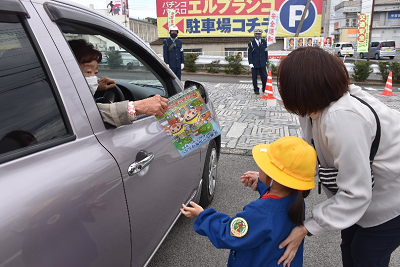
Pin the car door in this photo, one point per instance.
(62, 199)
(155, 194)
(373, 48)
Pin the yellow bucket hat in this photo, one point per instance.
(290, 161)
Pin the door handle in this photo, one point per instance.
(137, 166)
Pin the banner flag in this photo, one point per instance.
(273, 27)
(363, 33)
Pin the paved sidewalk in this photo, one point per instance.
(247, 120)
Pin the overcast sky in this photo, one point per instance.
(137, 8)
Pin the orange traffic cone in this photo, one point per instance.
(269, 92)
(388, 86)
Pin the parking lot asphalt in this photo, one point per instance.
(247, 120)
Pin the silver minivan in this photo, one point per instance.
(67, 198)
(380, 49)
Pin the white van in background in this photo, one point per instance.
(343, 49)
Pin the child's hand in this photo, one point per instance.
(250, 179)
(191, 212)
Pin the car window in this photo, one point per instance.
(29, 113)
(388, 44)
(135, 80)
(374, 44)
(347, 45)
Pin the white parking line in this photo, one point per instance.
(370, 89)
(245, 81)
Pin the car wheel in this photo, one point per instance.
(376, 56)
(361, 55)
(351, 55)
(391, 57)
(209, 175)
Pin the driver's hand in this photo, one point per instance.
(155, 105)
(105, 83)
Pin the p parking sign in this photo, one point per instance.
(290, 13)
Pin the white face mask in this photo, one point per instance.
(93, 83)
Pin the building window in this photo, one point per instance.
(193, 50)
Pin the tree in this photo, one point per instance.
(114, 59)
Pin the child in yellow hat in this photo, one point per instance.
(286, 175)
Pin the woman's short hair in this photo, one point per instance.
(84, 51)
(310, 78)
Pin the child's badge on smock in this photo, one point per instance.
(239, 227)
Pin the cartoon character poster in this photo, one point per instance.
(189, 121)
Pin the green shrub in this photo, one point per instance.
(362, 69)
(386, 67)
(213, 67)
(271, 67)
(234, 65)
(384, 70)
(114, 59)
(395, 68)
(129, 65)
(190, 62)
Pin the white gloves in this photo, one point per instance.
(168, 65)
(251, 65)
(182, 66)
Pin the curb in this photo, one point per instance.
(236, 151)
(352, 81)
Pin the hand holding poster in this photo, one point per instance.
(188, 121)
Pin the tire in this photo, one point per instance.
(391, 57)
(361, 55)
(351, 55)
(209, 175)
(376, 56)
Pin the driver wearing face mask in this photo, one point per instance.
(117, 113)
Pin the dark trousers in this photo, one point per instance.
(370, 247)
(177, 72)
(263, 75)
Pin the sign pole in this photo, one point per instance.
(303, 16)
(370, 28)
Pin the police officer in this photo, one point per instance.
(173, 51)
(258, 58)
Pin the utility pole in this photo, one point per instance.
(370, 27)
(303, 16)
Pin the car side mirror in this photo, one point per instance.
(199, 86)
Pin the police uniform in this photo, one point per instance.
(258, 56)
(253, 235)
(173, 56)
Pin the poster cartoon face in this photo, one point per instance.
(188, 121)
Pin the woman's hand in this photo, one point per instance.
(105, 83)
(250, 179)
(155, 105)
(191, 212)
(292, 242)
